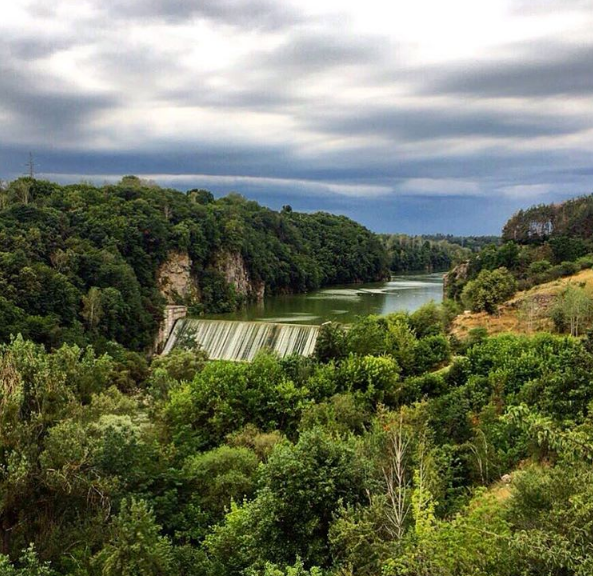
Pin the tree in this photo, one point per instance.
(428, 320)
(136, 547)
(92, 309)
(4, 195)
(28, 565)
(488, 290)
(199, 196)
(331, 342)
(530, 311)
(573, 311)
(302, 487)
(179, 364)
(22, 190)
(397, 481)
(221, 476)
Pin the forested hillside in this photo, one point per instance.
(83, 264)
(572, 218)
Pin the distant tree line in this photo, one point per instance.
(473, 243)
(424, 254)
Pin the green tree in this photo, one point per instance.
(221, 476)
(331, 342)
(136, 547)
(28, 565)
(301, 488)
(92, 309)
(488, 290)
(573, 311)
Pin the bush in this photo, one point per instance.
(427, 320)
(415, 388)
(373, 377)
(585, 262)
(431, 352)
(568, 268)
(488, 290)
(180, 364)
(331, 342)
(538, 267)
(221, 475)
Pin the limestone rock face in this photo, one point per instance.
(234, 270)
(456, 276)
(175, 280)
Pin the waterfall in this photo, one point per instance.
(230, 340)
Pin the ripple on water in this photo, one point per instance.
(335, 296)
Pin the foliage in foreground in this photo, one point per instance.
(382, 455)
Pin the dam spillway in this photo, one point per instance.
(241, 341)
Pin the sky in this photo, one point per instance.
(415, 117)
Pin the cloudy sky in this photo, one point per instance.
(415, 117)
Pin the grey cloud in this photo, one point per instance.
(454, 121)
(551, 70)
(27, 49)
(55, 117)
(307, 53)
(47, 112)
(275, 80)
(254, 13)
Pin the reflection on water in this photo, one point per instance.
(344, 304)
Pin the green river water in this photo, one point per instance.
(345, 303)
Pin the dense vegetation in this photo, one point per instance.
(369, 459)
(79, 263)
(422, 254)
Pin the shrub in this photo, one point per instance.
(488, 290)
(538, 267)
(568, 268)
(585, 262)
(432, 351)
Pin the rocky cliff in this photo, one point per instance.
(231, 265)
(455, 279)
(175, 280)
(179, 284)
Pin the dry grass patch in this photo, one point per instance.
(525, 313)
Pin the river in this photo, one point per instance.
(345, 303)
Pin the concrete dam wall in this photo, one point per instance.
(241, 341)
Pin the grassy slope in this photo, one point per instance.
(525, 313)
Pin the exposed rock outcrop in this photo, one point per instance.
(175, 280)
(454, 278)
(232, 267)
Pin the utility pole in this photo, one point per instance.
(31, 166)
